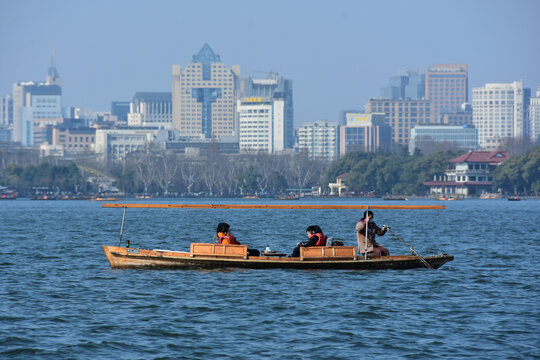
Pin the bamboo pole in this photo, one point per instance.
(273, 206)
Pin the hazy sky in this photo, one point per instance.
(338, 53)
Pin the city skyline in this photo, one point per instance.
(338, 56)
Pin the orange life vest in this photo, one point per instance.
(322, 239)
(227, 239)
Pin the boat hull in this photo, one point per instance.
(132, 258)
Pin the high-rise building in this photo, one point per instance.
(151, 109)
(261, 124)
(343, 116)
(203, 96)
(462, 117)
(274, 88)
(36, 104)
(364, 132)
(410, 84)
(6, 110)
(320, 139)
(534, 118)
(464, 137)
(120, 109)
(401, 115)
(500, 112)
(446, 86)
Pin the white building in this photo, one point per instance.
(500, 112)
(534, 118)
(320, 138)
(151, 109)
(203, 96)
(117, 144)
(273, 87)
(261, 124)
(464, 137)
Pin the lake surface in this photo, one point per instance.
(59, 298)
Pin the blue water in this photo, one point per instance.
(59, 298)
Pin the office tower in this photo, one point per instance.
(120, 109)
(261, 124)
(274, 88)
(6, 110)
(534, 118)
(461, 117)
(401, 115)
(364, 132)
(151, 109)
(446, 86)
(343, 116)
(36, 104)
(500, 113)
(455, 137)
(410, 84)
(320, 139)
(203, 96)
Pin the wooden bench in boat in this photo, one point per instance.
(218, 250)
(328, 253)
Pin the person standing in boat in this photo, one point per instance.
(225, 237)
(373, 248)
(315, 238)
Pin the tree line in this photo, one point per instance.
(388, 173)
(155, 171)
(519, 174)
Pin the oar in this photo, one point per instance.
(412, 250)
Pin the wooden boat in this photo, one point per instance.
(211, 256)
(8, 193)
(394, 197)
(215, 256)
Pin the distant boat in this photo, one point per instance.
(490, 196)
(447, 198)
(514, 198)
(287, 197)
(44, 197)
(394, 197)
(8, 193)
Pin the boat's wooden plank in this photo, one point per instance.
(273, 206)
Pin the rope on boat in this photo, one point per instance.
(412, 250)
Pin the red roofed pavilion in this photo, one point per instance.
(468, 175)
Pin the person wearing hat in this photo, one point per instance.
(373, 249)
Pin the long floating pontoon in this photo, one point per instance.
(274, 206)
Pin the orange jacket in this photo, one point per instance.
(227, 239)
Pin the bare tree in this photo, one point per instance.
(167, 167)
(188, 172)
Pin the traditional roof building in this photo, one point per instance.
(468, 175)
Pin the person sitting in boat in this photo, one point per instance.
(315, 238)
(225, 237)
(373, 249)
